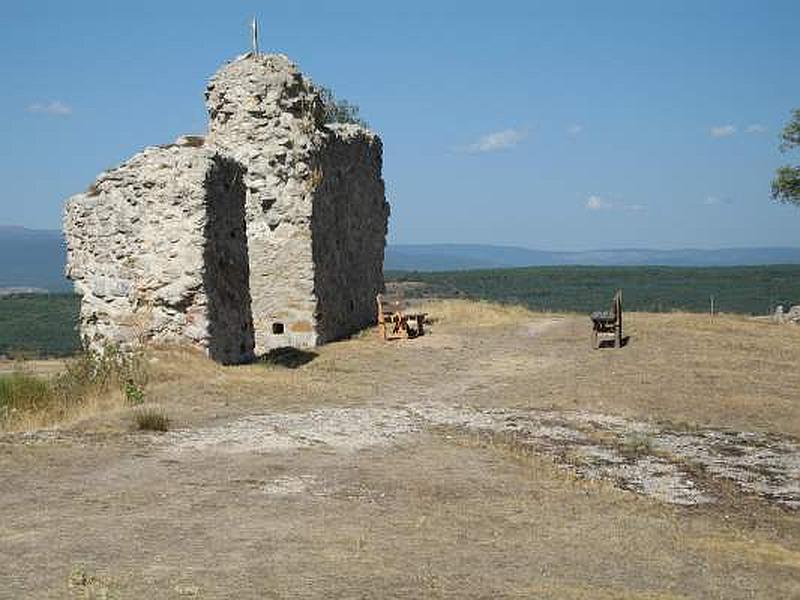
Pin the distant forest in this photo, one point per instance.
(46, 324)
(747, 290)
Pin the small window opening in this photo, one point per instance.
(277, 328)
(267, 203)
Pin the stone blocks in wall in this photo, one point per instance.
(158, 250)
(316, 212)
(269, 232)
(349, 227)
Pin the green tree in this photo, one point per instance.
(786, 185)
(340, 111)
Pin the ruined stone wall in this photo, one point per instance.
(278, 244)
(348, 229)
(157, 248)
(265, 114)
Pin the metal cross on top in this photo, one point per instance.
(254, 27)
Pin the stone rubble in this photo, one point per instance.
(648, 459)
(645, 458)
(790, 316)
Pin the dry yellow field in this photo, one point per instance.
(498, 457)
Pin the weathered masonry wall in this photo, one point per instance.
(157, 248)
(265, 114)
(348, 231)
(279, 243)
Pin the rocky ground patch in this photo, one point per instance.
(650, 459)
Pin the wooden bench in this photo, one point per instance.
(395, 323)
(608, 323)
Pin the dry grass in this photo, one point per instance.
(94, 409)
(757, 551)
(88, 387)
(35, 402)
(728, 371)
(442, 516)
(573, 591)
(475, 313)
(685, 368)
(37, 367)
(680, 367)
(151, 418)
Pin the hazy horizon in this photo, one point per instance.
(398, 244)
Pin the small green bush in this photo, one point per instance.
(133, 393)
(338, 110)
(88, 373)
(110, 367)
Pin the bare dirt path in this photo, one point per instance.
(480, 461)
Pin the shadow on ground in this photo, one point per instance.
(290, 358)
(609, 343)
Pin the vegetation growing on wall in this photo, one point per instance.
(338, 110)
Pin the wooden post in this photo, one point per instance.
(619, 319)
(381, 319)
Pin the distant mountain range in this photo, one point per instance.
(34, 258)
(453, 257)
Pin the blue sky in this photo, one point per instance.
(552, 125)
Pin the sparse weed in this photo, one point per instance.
(22, 392)
(637, 444)
(79, 577)
(88, 586)
(134, 394)
(151, 418)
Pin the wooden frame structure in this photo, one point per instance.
(608, 323)
(396, 324)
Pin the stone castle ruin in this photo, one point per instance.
(268, 232)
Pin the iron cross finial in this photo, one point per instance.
(254, 27)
